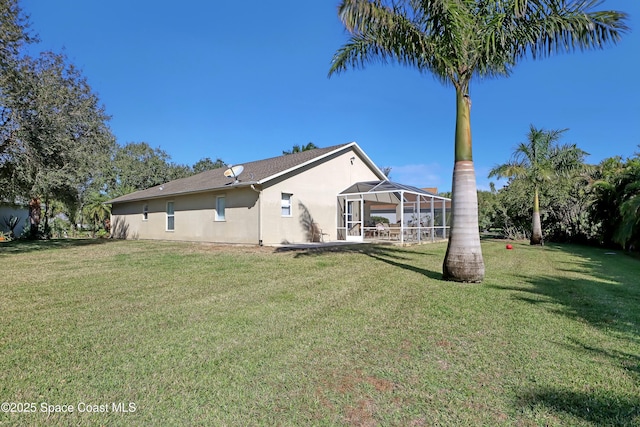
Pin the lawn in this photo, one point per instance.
(157, 333)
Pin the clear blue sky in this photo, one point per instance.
(242, 81)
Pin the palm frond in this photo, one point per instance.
(378, 33)
(458, 39)
(541, 159)
(630, 224)
(567, 159)
(425, 35)
(554, 26)
(509, 170)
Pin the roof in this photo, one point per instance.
(256, 172)
(377, 187)
(388, 194)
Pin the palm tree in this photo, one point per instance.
(97, 211)
(617, 200)
(537, 161)
(456, 40)
(629, 229)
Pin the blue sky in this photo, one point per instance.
(242, 81)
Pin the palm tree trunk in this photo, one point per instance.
(463, 261)
(536, 227)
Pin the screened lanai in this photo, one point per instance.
(416, 215)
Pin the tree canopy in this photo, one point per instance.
(538, 160)
(299, 148)
(206, 164)
(55, 142)
(57, 139)
(616, 204)
(596, 204)
(138, 166)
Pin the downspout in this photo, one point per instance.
(259, 214)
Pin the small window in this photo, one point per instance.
(286, 204)
(145, 212)
(170, 217)
(220, 207)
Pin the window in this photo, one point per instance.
(286, 204)
(170, 217)
(145, 212)
(220, 206)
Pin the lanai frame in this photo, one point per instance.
(353, 212)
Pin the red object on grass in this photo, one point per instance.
(509, 247)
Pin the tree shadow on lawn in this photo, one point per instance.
(597, 407)
(392, 255)
(612, 266)
(607, 306)
(628, 361)
(24, 246)
(603, 291)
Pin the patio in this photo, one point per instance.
(414, 215)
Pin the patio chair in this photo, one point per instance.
(394, 231)
(382, 229)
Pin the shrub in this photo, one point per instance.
(377, 219)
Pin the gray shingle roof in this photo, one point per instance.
(256, 172)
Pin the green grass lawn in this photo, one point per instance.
(195, 334)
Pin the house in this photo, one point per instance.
(293, 198)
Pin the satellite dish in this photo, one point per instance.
(234, 172)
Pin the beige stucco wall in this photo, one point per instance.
(314, 199)
(195, 218)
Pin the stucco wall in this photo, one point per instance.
(195, 218)
(314, 199)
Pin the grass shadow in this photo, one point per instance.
(608, 306)
(593, 287)
(25, 246)
(628, 361)
(598, 408)
(423, 271)
(390, 254)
